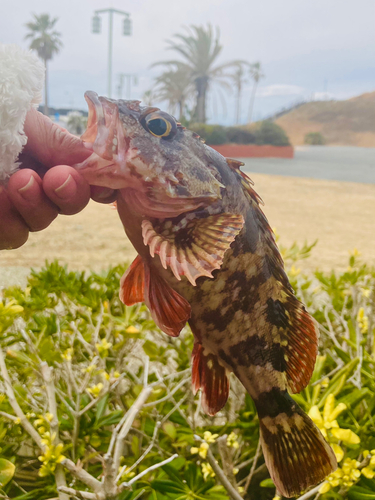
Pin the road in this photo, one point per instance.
(338, 163)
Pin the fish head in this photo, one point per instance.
(161, 166)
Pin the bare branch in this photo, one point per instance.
(82, 475)
(232, 492)
(14, 404)
(131, 414)
(123, 486)
(79, 494)
(252, 470)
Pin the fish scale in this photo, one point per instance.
(207, 256)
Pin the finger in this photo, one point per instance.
(25, 190)
(67, 189)
(13, 229)
(102, 194)
(50, 144)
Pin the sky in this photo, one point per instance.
(308, 49)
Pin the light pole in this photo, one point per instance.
(126, 31)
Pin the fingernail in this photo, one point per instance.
(25, 191)
(67, 189)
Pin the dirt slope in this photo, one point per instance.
(344, 123)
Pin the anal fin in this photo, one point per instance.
(212, 378)
(132, 284)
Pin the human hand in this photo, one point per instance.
(46, 185)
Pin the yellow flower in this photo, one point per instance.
(48, 416)
(346, 435)
(362, 320)
(95, 390)
(366, 292)
(355, 253)
(328, 422)
(132, 329)
(369, 470)
(235, 471)
(103, 347)
(338, 451)
(209, 437)
(68, 354)
(202, 450)
(232, 441)
(333, 480)
(276, 497)
(17, 421)
(207, 471)
(116, 374)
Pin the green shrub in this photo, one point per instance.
(314, 139)
(240, 135)
(85, 369)
(268, 132)
(211, 134)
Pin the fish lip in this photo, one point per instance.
(102, 126)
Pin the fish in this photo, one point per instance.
(207, 256)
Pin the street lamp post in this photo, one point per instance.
(126, 31)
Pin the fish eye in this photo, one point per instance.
(160, 125)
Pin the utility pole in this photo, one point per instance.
(126, 31)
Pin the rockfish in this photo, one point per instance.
(207, 256)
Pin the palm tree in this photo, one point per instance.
(256, 74)
(174, 86)
(200, 48)
(238, 78)
(46, 42)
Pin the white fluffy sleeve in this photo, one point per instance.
(21, 83)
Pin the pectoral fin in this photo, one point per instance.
(132, 284)
(192, 248)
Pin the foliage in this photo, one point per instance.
(200, 48)
(268, 132)
(314, 139)
(265, 132)
(76, 123)
(174, 86)
(46, 41)
(66, 337)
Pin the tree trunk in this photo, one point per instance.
(46, 112)
(252, 99)
(238, 117)
(200, 110)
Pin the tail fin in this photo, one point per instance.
(295, 452)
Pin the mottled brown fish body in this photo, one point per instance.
(207, 256)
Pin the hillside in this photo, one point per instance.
(344, 123)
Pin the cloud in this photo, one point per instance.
(279, 89)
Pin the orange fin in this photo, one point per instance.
(169, 309)
(192, 247)
(132, 284)
(302, 348)
(212, 378)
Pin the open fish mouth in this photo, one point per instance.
(104, 133)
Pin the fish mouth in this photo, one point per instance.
(104, 133)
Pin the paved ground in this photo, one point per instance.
(349, 164)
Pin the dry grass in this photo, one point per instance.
(339, 214)
(345, 123)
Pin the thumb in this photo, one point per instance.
(50, 144)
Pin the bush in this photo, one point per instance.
(211, 134)
(314, 139)
(240, 135)
(268, 132)
(96, 381)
